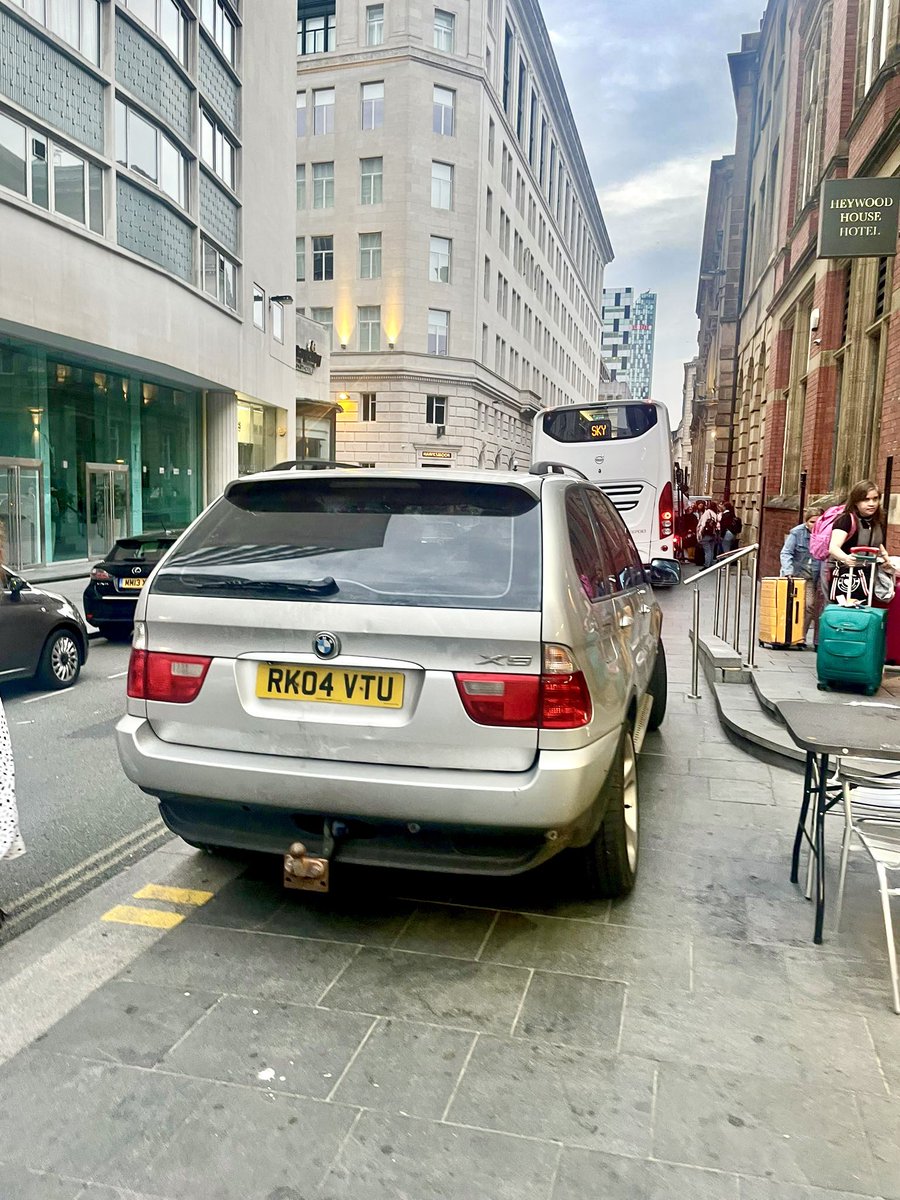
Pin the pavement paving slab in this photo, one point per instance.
(413, 1037)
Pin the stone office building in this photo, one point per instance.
(448, 230)
(147, 346)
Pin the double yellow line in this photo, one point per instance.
(158, 918)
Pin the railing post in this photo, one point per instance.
(727, 612)
(739, 594)
(754, 587)
(717, 612)
(695, 659)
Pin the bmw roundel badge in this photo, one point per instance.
(326, 645)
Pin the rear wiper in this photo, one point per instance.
(296, 587)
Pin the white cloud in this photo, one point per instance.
(674, 181)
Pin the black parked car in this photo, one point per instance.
(41, 634)
(111, 596)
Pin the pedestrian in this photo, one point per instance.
(11, 844)
(708, 534)
(730, 527)
(862, 523)
(797, 562)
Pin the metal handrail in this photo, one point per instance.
(723, 606)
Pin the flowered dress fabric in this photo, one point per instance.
(11, 844)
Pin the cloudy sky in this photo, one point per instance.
(649, 87)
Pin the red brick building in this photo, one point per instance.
(816, 396)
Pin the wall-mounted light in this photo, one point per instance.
(390, 345)
(281, 299)
(344, 396)
(343, 345)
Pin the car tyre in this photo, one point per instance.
(659, 690)
(610, 861)
(61, 660)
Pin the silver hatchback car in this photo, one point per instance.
(414, 669)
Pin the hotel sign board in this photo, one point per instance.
(858, 218)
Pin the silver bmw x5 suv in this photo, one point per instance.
(414, 669)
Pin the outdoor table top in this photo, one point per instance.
(857, 729)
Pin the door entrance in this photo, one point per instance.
(108, 508)
(22, 511)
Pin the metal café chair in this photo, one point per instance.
(872, 818)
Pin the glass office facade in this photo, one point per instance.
(89, 453)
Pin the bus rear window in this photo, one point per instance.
(609, 423)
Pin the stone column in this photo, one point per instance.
(221, 442)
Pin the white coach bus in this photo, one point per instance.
(625, 446)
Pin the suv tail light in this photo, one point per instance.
(174, 678)
(100, 575)
(666, 512)
(558, 698)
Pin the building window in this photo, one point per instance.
(371, 180)
(436, 410)
(300, 271)
(301, 114)
(520, 100)
(532, 128)
(374, 24)
(323, 110)
(369, 322)
(370, 256)
(76, 23)
(301, 186)
(216, 149)
(323, 258)
(49, 176)
(442, 111)
(323, 185)
(147, 151)
(875, 37)
(316, 34)
(439, 260)
(811, 128)
(507, 66)
(543, 153)
(219, 275)
(444, 30)
(438, 331)
(215, 19)
(368, 408)
(441, 185)
(491, 139)
(324, 316)
(165, 18)
(489, 211)
(278, 321)
(259, 307)
(372, 105)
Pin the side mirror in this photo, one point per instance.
(16, 586)
(665, 572)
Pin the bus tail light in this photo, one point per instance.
(666, 512)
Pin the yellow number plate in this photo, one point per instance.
(368, 689)
(131, 583)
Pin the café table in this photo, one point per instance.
(858, 729)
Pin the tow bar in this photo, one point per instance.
(310, 872)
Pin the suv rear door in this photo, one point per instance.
(411, 578)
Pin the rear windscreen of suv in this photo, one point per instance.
(437, 543)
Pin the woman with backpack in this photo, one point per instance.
(839, 531)
(730, 527)
(708, 534)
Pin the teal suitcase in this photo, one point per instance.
(851, 647)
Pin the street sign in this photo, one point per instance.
(858, 218)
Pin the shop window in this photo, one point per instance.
(257, 437)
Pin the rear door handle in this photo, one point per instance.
(644, 610)
(626, 622)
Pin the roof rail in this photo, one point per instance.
(556, 468)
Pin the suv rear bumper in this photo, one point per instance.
(262, 802)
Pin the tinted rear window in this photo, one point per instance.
(606, 423)
(441, 544)
(133, 550)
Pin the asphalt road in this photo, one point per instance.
(81, 818)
